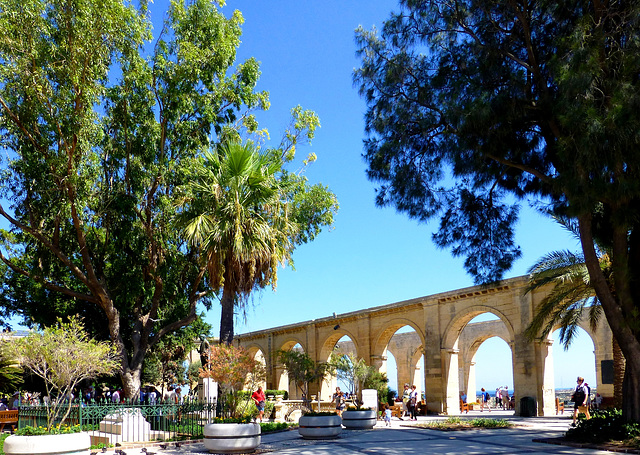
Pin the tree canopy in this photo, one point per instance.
(100, 124)
(474, 107)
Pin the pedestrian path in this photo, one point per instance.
(404, 438)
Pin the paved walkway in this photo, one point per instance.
(402, 439)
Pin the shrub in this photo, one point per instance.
(604, 425)
(275, 393)
(270, 427)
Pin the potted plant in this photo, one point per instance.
(303, 371)
(320, 425)
(62, 356)
(354, 372)
(233, 368)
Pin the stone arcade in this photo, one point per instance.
(438, 321)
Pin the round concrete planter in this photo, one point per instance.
(320, 427)
(231, 437)
(48, 444)
(359, 420)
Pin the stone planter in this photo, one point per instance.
(320, 427)
(359, 420)
(48, 444)
(231, 437)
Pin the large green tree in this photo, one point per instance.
(99, 123)
(475, 106)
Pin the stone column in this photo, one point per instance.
(435, 383)
(548, 383)
(471, 383)
(452, 390)
(525, 371)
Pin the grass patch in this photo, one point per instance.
(269, 427)
(457, 423)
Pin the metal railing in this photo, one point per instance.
(111, 423)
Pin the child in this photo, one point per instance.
(387, 416)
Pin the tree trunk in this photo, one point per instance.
(618, 374)
(226, 318)
(131, 383)
(631, 390)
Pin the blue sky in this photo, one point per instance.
(372, 256)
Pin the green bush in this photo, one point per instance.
(37, 431)
(490, 423)
(3, 436)
(276, 393)
(270, 427)
(604, 425)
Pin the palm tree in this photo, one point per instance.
(237, 213)
(571, 298)
(10, 371)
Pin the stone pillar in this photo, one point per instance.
(417, 381)
(404, 370)
(452, 390)
(548, 383)
(435, 384)
(471, 383)
(525, 371)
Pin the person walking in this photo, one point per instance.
(580, 397)
(413, 403)
(505, 397)
(387, 416)
(259, 399)
(338, 397)
(406, 394)
(484, 400)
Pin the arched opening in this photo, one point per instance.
(282, 378)
(577, 360)
(493, 370)
(403, 361)
(253, 383)
(482, 357)
(337, 343)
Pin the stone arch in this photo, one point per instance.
(281, 377)
(381, 340)
(257, 352)
(326, 347)
(405, 367)
(600, 351)
(464, 316)
(458, 369)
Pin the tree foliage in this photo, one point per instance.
(247, 214)
(303, 370)
(63, 356)
(353, 371)
(10, 370)
(100, 123)
(233, 368)
(474, 107)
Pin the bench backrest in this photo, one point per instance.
(8, 416)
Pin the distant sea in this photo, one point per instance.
(561, 393)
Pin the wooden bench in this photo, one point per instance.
(396, 410)
(559, 406)
(464, 407)
(8, 418)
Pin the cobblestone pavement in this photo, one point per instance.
(404, 438)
